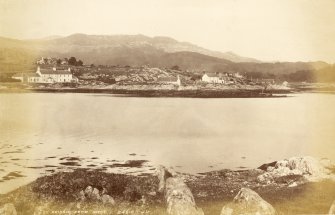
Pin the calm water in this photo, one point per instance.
(191, 135)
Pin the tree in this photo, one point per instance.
(176, 67)
(72, 61)
(79, 63)
(59, 61)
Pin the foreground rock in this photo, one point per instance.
(309, 168)
(92, 194)
(332, 209)
(84, 189)
(178, 196)
(8, 209)
(163, 174)
(248, 202)
(89, 190)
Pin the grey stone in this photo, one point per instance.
(248, 202)
(310, 168)
(81, 195)
(88, 190)
(107, 199)
(91, 193)
(95, 194)
(162, 174)
(178, 196)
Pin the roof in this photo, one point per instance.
(57, 72)
(168, 79)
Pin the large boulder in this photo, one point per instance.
(162, 174)
(332, 209)
(107, 199)
(8, 209)
(248, 202)
(92, 194)
(178, 196)
(310, 168)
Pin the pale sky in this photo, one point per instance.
(269, 30)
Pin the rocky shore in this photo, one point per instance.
(173, 93)
(206, 91)
(298, 185)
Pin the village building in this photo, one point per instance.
(238, 75)
(285, 84)
(266, 81)
(170, 80)
(213, 78)
(54, 76)
(47, 75)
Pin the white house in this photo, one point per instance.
(54, 76)
(212, 78)
(48, 75)
(238, 75)
(170, 80)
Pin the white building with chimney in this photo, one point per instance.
(47, 75)
(213, 78)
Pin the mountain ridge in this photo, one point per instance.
(134, 50)
(165, 43)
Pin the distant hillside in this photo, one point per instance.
(164, 44)
(16, 55)
(137, 50)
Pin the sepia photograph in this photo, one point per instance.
(167, 107)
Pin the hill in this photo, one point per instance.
(138, 50)
(164, 44)
(134, 50)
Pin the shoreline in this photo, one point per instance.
(199, 93)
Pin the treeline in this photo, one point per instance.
(74, 62)
(326, 74)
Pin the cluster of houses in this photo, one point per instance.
(228, 78)
(216, 78)
(220, 78)
(47, 76)
(51, 74)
